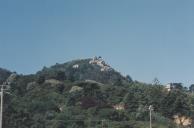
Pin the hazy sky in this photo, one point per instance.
(142, 38)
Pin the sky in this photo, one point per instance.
(142, 38)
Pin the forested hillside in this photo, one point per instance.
(88, 94)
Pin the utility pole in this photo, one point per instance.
(151, 109)
(2, 96)
(1, 112)
(102, 122)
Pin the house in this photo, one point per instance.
(169, 87)
(173, 86)
(75, 66)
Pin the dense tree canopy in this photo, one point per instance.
(50, 99)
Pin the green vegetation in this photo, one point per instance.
(59, 97)
(3, 75)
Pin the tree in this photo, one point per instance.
(191, 88)
(118, 82)
(129, 79)
(178, 86)
(156, 81)
(176, 103)
(88, 102)
(40, 79)
(61, 75)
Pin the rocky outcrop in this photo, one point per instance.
(100, 62)
(182, 120)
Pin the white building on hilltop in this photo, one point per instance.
(100, 62)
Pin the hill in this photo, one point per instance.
(94, 69)
(89, 93)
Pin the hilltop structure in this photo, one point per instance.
(100, 62)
